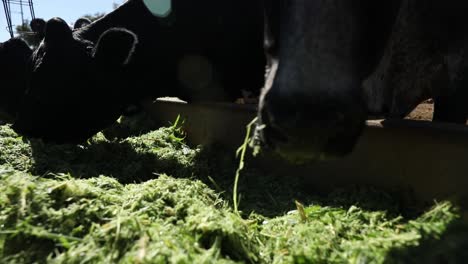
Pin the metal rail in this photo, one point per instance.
(7, 7)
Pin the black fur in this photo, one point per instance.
(81, 22)
(14, 63)
(335, 56)
(68, 104)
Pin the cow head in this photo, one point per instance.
(319, 53)
(81, 22)
(75, 84)
(38, 26)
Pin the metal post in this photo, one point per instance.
(31, 8)
(6, 7)
(21, 11)
(21, 3)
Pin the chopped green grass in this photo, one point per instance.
(132, 196)
(100, 220)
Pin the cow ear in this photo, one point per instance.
(115, 47)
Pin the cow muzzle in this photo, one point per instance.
(302, 128)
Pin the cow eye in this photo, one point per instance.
(159, 8)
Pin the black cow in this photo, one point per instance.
(75, 86)
(38, 27)
(319, 53)
(426, 57)
(203, 50)
(323, 52)
(14, 62)
(197, 51)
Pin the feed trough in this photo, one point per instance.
(430, 159)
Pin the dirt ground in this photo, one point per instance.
(422, 112)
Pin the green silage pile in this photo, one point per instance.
(150, 198)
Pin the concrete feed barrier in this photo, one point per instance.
(430, 159)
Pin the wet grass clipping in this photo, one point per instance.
(134, 194)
